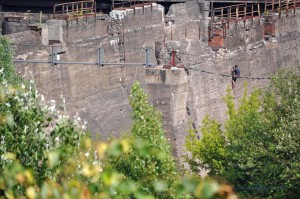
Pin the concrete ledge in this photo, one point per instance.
(165, 76)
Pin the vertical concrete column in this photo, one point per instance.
(169, 92)
(204, 7)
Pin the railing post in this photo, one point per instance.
(245, 12)
(72, 8)
(258, 8)
(252, 14)
(237, 12)
(100, 56)
(54, 10)
(77, 11)
(273, 6)
(148, 57)
(41, 15)
(212, 12)
(229, 14)
(53, 55)
(95, 11)
(222, 14)
(294, 7)
(173, 56)
(265, 5)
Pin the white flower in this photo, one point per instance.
(87, 154)
(52, 106)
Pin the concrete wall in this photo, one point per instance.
(256, 58)
(169, 92)
(9, 27)
(100, 95)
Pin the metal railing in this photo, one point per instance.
(74, 9)
(280, 5)
(100, 59)
(241, 12)
(235, 12)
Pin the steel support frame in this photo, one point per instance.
(100, 59)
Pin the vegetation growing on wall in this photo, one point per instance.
(258, 148)
(6, 64)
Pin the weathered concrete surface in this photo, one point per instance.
(169, 92)
(247, 48)
(100, 95)
(55, 31)
(22, 25)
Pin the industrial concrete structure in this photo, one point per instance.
(202, 49)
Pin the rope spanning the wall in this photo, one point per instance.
(229, 76)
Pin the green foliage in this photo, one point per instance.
(281, 109)
(6, 65)
(87, 178)
(26, 130)
(211, 149)
(152, 160)
(258, 148)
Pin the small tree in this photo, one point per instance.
(159, 163)
(281, 111)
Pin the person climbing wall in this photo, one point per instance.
(235, 73)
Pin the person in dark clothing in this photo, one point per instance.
(235, 73)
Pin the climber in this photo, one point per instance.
(235, 73)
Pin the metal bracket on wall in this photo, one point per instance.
(100, 59)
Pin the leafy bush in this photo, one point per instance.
(258, 148)
(27, 128)
(6, 64)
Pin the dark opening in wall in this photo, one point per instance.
(33, 9)
(166, 5)
(51, 42)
